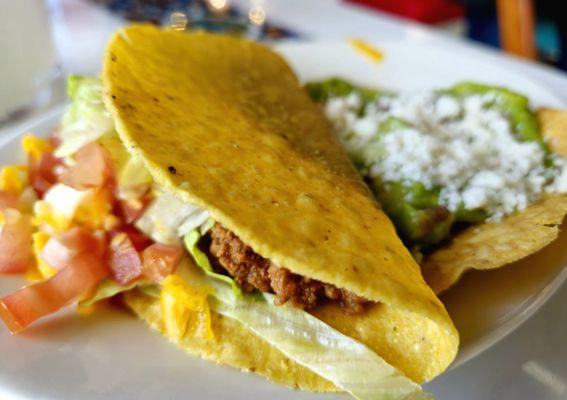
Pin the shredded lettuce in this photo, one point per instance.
(305, 339)
(206, 226)
(193, 221)
(190, 240)
(109, 288)
(86, 119)
(150, 290)
(105, 290)
(134, 180)
(168, 218)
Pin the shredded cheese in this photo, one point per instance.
(462, 146)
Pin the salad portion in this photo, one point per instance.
(68, 216)
(445, 159)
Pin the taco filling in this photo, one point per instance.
(253, 272)
(167, 219)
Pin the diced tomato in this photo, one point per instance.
(123, 259)
(42, 172)
(92, 168)
(26, 305)
(54, 138)
(61, 249)
(15, 241)
(130, 211)
(160, 260)
(138, 239)
(8, 200)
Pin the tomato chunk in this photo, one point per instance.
(24, 306)
(55, 138)
(138, 239)
(43, 172)
(160, 260)
(61, 249)
(123, 260)
(9, 200)
(92, 168)
(130, 211)
(15, 242)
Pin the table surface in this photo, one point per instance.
(530, 363)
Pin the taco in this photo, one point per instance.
(288, 268)
(470, 175)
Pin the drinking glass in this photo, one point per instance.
(28, 61)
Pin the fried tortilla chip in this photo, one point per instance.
(493, 245)
(224, 124)
(553, 124)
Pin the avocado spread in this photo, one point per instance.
(439, 160)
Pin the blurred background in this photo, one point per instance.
(534, 29)
(40, 39)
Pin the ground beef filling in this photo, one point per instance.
(251, 271)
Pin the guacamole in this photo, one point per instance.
(442, 159)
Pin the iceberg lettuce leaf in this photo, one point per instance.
(168, 218)
(86, 119)
(305, 339)
(109, 288)
(190, 241)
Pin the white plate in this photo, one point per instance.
(113, 356)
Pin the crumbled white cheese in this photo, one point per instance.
(461, 146)
(559, 184)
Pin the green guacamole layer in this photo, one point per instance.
(416, 211)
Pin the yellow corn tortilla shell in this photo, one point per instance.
(493, 245)
(233, 345)
(224, 124)
(237, 346)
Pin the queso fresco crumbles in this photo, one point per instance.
(438, 158)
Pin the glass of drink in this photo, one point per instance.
(28, 63)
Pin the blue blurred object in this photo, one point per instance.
(153, 10)
(548, 40)
(550, 30)
(200, 15)
(482, 24)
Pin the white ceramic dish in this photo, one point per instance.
(111, 355)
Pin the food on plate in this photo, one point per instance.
(206, 190)
(471, 177)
